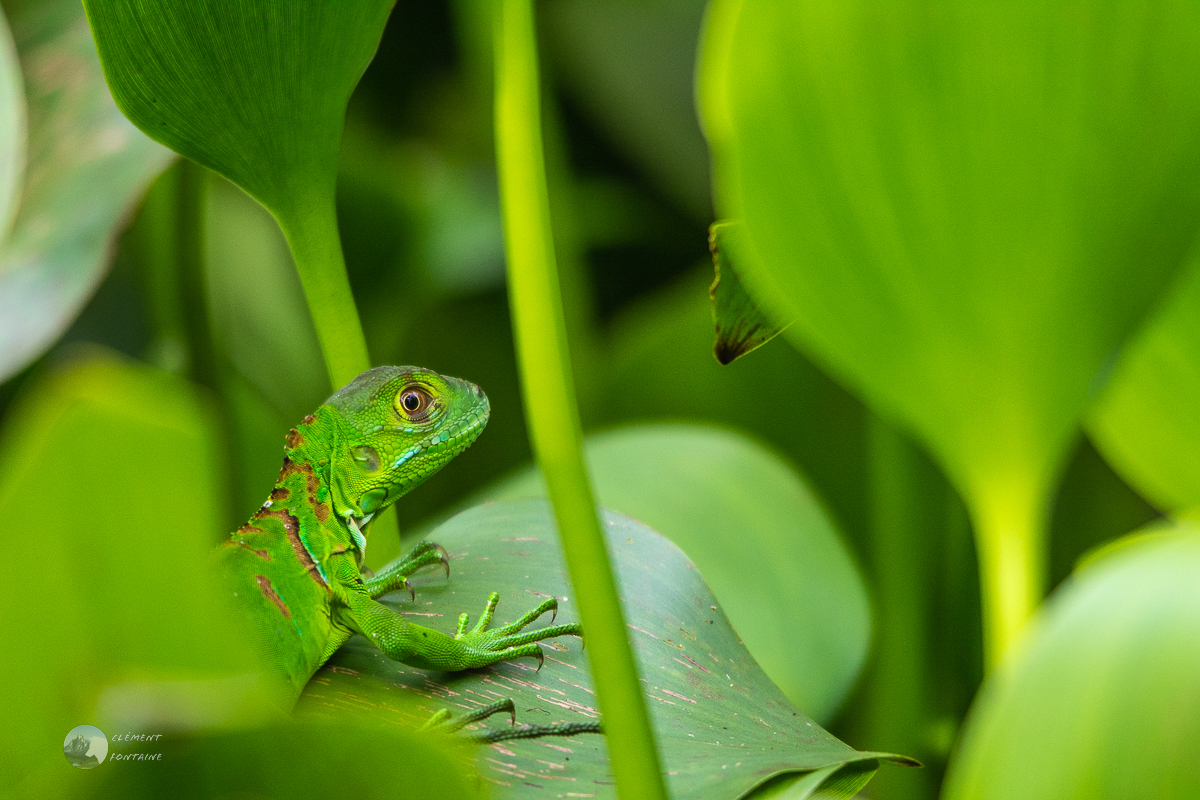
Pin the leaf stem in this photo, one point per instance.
(1010, 541)
(312, 234)
(549, 398)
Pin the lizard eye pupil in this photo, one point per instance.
(414, 402)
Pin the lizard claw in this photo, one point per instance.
(445, 559)
(412, 593)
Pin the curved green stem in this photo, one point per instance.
(550, 407)
(312, 234)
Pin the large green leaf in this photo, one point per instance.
(1103, 699)
(256, 92)
(1146, 422)
(968, 206)
(86, 166)
(758, 535)
(721, 725)
(107, 482)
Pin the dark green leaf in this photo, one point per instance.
(86, 166)
(721, 725)
(758, 535)
(741, 326)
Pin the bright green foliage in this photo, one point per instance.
(759, 537)
(141, 492)
(1103, 699)
(1146, 422)
(275, 762)
(86, 167)
(238, 88)
(741, 326)
(968, 206)
(551, 411)
(721, 725)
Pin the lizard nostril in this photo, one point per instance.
(477, 391)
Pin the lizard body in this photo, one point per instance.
(295, 569)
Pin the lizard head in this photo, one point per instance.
(399, 426)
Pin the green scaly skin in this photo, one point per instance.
(295, 569)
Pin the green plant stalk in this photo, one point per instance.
(311, 230)
(549, 398)
(1010, 535)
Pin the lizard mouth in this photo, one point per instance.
(446, 443)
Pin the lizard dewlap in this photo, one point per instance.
(294, 570)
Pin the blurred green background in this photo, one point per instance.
(418, 211)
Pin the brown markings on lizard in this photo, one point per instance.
(291, 527)
(294, 439)
(312, 482)
(279, 494)
(264, 586)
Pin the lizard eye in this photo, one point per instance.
(413, 402)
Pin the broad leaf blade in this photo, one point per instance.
(86, 166)
(741, 326)
(758, 535)
(1103, 699)
(721, 725)
(1146, 423)
(107, 470)
(969, 206)
(255, 91)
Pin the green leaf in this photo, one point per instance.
(363, 762)
(86, 167)
(741, 326)
(1145, 423)
(721, 725)
(985, 199)
(758, 535)
(1103, 699)
(107, 474)
(257, 93)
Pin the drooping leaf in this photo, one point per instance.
(741, 326)
(1146, 423)
(985, 199)
(86, 167)
(107, 473)
(758, 535)
(722, 727)
(255, 92)
(1103, 699)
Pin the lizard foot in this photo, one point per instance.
(509, 641)
(444, 722)
(396, 576)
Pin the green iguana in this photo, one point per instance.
(296, 567)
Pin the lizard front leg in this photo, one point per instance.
(427, 648)
(396, 576)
